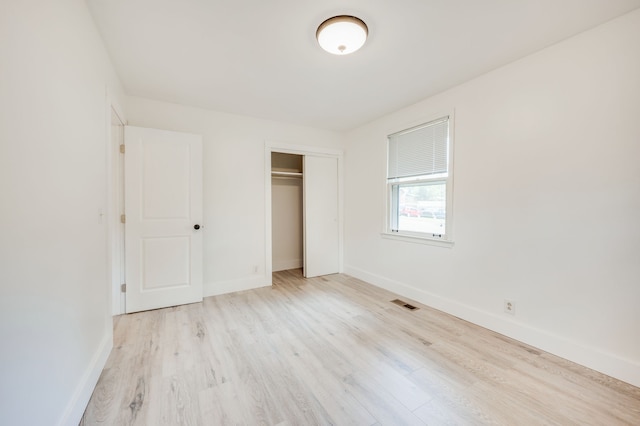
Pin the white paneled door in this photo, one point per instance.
(163, 207)
(321, 226)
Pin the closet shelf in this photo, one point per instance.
(286, 174)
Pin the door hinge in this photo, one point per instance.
(123, 218)
(122, 149)
(123, 288)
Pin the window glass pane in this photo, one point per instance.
(422, 207)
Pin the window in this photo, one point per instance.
(419, 181)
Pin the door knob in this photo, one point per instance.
(196, 226)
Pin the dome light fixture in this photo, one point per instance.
(342, 34)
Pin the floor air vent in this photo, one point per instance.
(404, 304)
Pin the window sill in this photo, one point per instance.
(417, 240)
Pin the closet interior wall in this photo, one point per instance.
(286, 211)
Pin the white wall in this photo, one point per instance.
(286, 217)
(55, 322)
(546, 201)
(234, 184)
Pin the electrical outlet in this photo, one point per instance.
(510, 306)
(255, 269)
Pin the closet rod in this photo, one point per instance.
(285, 177)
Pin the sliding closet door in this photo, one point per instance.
(321, 232)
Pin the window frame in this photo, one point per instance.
(391, 207)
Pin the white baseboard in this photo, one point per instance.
(231, 286)
(78, 403)
(285, 265)
(594, 358)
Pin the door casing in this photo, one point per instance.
(115, 193)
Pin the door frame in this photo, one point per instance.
(287, 148)
(115, 192)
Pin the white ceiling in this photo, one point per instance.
(260, 58)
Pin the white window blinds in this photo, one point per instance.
(420, 151)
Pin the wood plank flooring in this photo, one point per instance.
(335, 351)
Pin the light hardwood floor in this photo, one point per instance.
(335, 350)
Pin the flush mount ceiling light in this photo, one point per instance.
(342, 34)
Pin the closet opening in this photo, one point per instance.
(287, 229)
(303, 209)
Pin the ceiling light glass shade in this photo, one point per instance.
(342, 35)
